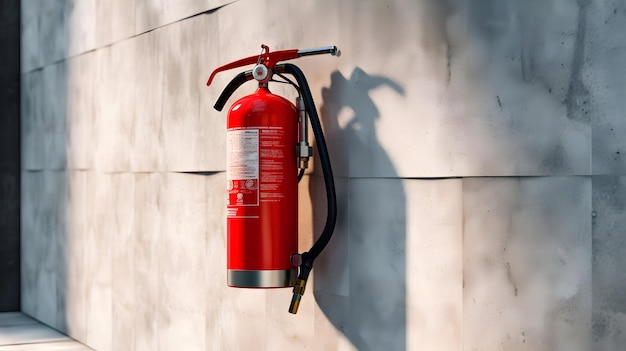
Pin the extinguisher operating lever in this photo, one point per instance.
(270, 59)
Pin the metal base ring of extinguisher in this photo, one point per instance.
(262, 278)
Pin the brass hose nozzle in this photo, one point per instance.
(298, 291)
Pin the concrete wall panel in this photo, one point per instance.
(75, 316)
(527, 263)
(53, 30)
(82, 89)
(608, 276)
(605, 80)
(30, 50)
(32, 137)
(115, 21)
(434, 264)
(151, 14)
(461, 122)
(53, 112)
(44, 195)
(31, 189)
(189, 51)
(148, 84)
(82, 20)
(147, 229)
(182, 264)
(115, 107)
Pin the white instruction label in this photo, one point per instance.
(242, 154)
(242, 170)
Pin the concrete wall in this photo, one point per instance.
(477, 151)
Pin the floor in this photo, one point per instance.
(18, 332)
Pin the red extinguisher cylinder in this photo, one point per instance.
(262, 183)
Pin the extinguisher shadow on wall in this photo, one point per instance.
(368, 266)
(267, 143)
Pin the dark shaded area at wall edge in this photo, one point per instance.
(10, 155)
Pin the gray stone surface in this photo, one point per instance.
(605, 79)
(45, 32)
(149, 131)
(82, 86)
(434, 264)
(54, 114)
(54, 31)
(147, 228)
(188, 117)
(378, 254)
(148, 15)
(31, 187)
(520, 70)
(115, 108)
(81, 18)
(334, 263)
(182, 263)
(467, 106)
(215, 233)
(30, 49)
(367, 280)
(609, 149)
(151, 14)
(102, 228)
(44, 230)
(32, 136)
(123, 249)
(609, 278)
(527, 263)
(115, 21)
(76, 276)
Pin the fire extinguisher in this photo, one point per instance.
(267, 153)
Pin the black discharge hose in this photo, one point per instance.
(308, 257)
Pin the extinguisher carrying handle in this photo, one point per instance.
(231, 87)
